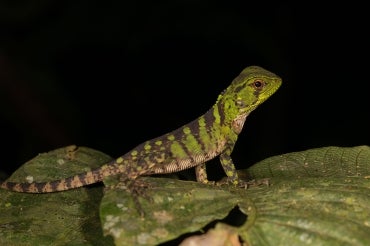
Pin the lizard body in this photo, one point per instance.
(192, 145)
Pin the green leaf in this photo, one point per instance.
(310, 200)
(319, 196)
(319, 162)
(317, 211)
(172, 207)
(62, 218)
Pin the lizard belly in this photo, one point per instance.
(192, 160)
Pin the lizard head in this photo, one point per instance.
(252, 87)
(248, 90)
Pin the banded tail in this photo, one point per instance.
(69, 183)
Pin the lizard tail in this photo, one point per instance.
(69, 183)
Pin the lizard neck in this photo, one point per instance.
(226, 113)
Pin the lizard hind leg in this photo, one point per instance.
(201, 174)
(137, 188)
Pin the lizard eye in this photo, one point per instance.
(258, 84)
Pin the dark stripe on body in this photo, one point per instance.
(209, 118)
(221, 113)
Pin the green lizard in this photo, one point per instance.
(192, 145)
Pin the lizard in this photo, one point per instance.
(212, 134)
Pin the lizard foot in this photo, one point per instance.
(138, 188)
(256, 182)
(244, 184)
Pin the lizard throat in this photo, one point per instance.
(238, 122)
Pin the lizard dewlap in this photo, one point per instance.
(192, 145)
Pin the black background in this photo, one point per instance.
(112, 74)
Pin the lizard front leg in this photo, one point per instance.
(232, 175)
(229, 168)
(227, 165)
